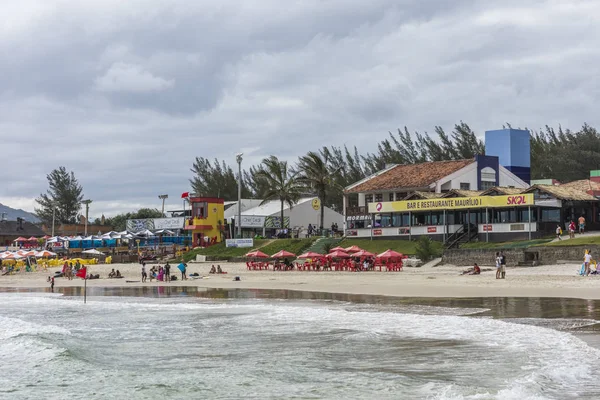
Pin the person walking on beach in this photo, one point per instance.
(498, 265)
(586, 262)
(52, 284)
(167, 272)
(572, 230)
(144, 274)
(183, 271)
(581, 222)
(502, 265)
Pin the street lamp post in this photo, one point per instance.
(238, 158)
(87, 210)
(53, 217)
(163, 197)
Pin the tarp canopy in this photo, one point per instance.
(353, 249)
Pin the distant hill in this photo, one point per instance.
(12, 214)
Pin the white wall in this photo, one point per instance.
(507, 178)
(303, 214)
(467, 174)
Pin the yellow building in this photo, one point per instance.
(206, 221)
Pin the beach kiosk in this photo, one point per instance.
(206, 220)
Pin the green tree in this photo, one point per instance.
(316, 174)
(216, 179)
(280, 183)
(64, 193)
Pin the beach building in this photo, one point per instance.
(265, 220)
(11, 230)
(488, 197)
(206, 222)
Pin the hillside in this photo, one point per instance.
(12, 214)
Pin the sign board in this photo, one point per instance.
(239, 242)
(275, 222)
(519, 200)
(377, 232)
(249, 221)
(358, 218)
(136, 225)
(404, 231)
(517, 227)
(431, 229)
(316, 204)
(487, 228)
(351, 233)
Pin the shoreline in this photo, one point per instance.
(554, 281)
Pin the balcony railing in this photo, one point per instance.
(360, 210)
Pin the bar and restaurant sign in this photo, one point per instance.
(519, 200)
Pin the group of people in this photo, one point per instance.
(218, 270)
(115, 274)
(571, 228)
(69, 270)
(163, 273)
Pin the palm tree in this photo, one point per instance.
(280, 183)
(316, 174)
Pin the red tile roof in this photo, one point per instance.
(411, 176)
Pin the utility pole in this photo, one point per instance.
(163, 197)
(238, 158)
(53, 216)
(87, 210)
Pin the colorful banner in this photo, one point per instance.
(519, 200)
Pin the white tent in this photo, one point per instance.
(77, 238)
(145, 233)
(164, 232)
(92, 251)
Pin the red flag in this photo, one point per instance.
(185, 195)
(82, 273)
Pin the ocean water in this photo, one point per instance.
(52, 346)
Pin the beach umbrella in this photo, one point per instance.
(44, 254)
(46, 237)
(20, 239)
(32, 239)
(310, 254)
(29, 254)
(283, 254)
(338, 249)
(181, 267)
(13, 256)
(92, 251)
(363, 253)
(353, 249)
(390, 254)
(256, 254)
(338, 254)
(21, 252)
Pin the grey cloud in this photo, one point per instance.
(126, 94)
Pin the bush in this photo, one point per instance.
(427, 249)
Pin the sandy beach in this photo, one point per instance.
(441, 281)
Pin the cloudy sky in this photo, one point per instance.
(127, 93)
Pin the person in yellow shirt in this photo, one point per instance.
(581, 222)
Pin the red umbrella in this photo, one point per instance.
(310, 254)
(390, 254)
(21, 239)
(338, 249)
(32, 239)
(353, 249)
(363, 253)
(338, 254)
(256, 254)
(283, 254)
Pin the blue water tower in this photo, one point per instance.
(513, 149)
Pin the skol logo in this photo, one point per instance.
(516, 200)
(378, 206)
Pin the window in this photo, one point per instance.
(465, 186)
(391, 197)
(487, 185)
(378, 197)
(368, 198)
(200, 210)
(400, 196)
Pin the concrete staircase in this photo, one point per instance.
(320, 244)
